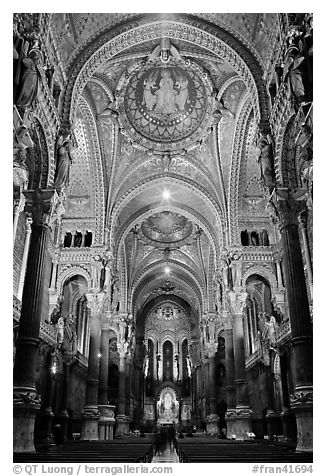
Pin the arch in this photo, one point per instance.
(265, 272)
(69, 273)
(234, 178)
(98, 186)
(210, 37)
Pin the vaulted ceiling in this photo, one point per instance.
(165, 111)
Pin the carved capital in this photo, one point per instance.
(237, 302)
(43, 206)
(95, 303)
(304, 396)
(286, 204)
(26, 398)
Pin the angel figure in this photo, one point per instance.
(64, 160)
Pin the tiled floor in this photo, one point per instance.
(167, 454)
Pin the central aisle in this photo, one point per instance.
(167, 454)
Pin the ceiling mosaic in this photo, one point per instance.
(168, 113)
(167, 105)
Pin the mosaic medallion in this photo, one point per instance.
(164, 107)
(166, 227)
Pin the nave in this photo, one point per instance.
(162, 229)
(191, 450)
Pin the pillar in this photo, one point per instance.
(106, 420)
(122, 419)
(24, 260)
(287, 207)
(45, 415)
(230, 385)
(18, 208)
(306, 250)
(212, 417)
(40, 206)
(91, 412)
(242, 414)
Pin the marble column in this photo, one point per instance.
(242, 415)
(306, 250)
(40, 205)
(287, 206)
(106, 420)
(212, 418)
(230, 385)
(45, 416)
(91, 412)
(287, 414)
(29, 222)
(19, 204)
(271, 415)
(122, 419)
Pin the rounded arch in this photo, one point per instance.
(167, 180)
(68, 273)
(263, 271)
(210, 37)
(233, 186)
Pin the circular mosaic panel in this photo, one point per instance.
(164, 107)
(166, 227)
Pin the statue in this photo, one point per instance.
(60, 330)
(293, 74)
(30, 80)
(105, 276)
(64, 161)
(227, 273)
(211, 330)
(266, 159)
(22, 142)
(115, 295)
(57, 310)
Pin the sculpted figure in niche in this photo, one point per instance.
(22, 142)
(115, 295)
(211, 330)
(265, 159)
(64, 160)
(293, 74)
(28, 86)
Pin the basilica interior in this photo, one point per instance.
(162, 185)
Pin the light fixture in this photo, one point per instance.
(99, 355)
(167, 270)
(166, 194)
(54, 369)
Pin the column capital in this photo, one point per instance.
(43, 206)
(286, 204)
(237, 302)
(95, 303)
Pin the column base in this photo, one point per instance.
(90, 423)
(106, 422)
(302, 407)
(43, 426)
(239, 423)
(272, 420)
(26, 405)
(289, 425)
(212, 424)
(122, 425)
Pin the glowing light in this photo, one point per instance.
(167, 270)
(99, 356)
(166, 194)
